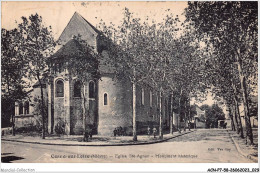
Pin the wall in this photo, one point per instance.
(25, 121)
(59, 102)
(118, 111)
(147, 115)
(76, 116)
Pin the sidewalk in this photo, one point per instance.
(76, 140)
(247, 151)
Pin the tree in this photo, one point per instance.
(213, 114)
(221, 75)
(128, 46)
(162, 48)
(186, 69)
(12, 85)
(154, 55)
(231, 27)
(36, 45)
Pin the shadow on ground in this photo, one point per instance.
(9, 159)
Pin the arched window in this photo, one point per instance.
(20, 108)
(77, 89)
(142, 96)
(59, 88)
(26, 107)
(91, 89)
(105, 99)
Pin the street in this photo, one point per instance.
(201, 146)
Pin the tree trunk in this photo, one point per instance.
(189, 120)
(189, 113)
(249, 133)
(13, 125)
(239, 117)
(12, 115)
(235, 117)
(179, 111)
(161, 121)
(185, 115)
(171, 114)
(231, 118)
(134, 112)
(83, 112)
(42, 107)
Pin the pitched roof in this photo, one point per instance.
(70, 48)
(77, 26)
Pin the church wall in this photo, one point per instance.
(118, 111)
(145, 112)
(148, 113)
(59, 106)
(76, 116)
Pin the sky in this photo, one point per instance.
(58, 14)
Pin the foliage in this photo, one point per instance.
(131, 48)
(213, 114)
(229, 30)
(127, 47)
(36, 44)
(85, 64)
(12, 83)
(157, 55)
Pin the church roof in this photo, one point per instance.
(70, 48)
(77, 26)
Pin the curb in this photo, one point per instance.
(241, 152)
(98, 145)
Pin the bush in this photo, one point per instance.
(60, 127)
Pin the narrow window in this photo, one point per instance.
(142, 96)
(158, 99)
(20, 108)
(77, 89)
(26, 107)
(151, 99)
(105, 99)
(59, 89)
(91, 89)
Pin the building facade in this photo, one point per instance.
(107, 101)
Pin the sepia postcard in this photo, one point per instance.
(129, 82)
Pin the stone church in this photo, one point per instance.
(108, 101)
